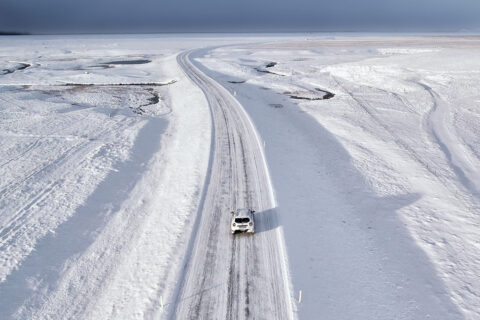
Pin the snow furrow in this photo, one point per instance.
(464, 164)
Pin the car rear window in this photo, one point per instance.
(242, 220)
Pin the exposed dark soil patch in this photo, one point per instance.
(305, 98)
(138, 61)
(326, 94)
(150, 84)
(318, 94)
(18, 67)
(259, 69)
(263, 69)
(154, 99)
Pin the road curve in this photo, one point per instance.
(226, 276)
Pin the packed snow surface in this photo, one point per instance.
(363, 153)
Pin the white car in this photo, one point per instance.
(242, 221)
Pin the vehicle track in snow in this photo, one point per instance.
(233, 276)
(42, 180)
(442, 133)
(369, 110)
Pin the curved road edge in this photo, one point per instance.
(194, 73)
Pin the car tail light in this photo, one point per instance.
(251, 223)
(234, 224)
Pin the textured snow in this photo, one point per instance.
(102, 165)
(378, 187)
(99, 183)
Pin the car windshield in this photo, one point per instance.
(242, 220)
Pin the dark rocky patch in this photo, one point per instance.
(240, 81)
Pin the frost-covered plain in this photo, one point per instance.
(378, 187)
(99, 174)
(372, 145)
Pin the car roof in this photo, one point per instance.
(243, 212)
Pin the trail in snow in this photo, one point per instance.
(376, 188)
(377, 221)
(464, 164)
(228, 275)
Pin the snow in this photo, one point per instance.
(97, 198)
(378, 186)
(105, 147)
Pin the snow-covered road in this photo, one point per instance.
(241, 276)
(377, 187)
(121, 158)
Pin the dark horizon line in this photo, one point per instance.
(259, 31)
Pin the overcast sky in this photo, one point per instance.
(67, 16)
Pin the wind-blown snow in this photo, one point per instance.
(99, 183)
(378, 187)
(105, 145)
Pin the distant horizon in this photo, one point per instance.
(228, 16)
(472, 32)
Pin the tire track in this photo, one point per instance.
(404, 146)
(53, 170)
(461, 172)
(225, 273)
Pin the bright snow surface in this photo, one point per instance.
(104, 154)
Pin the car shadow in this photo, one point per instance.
(265, 220)
(347, 245)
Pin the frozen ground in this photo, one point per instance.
(372, 149)
(99, 183)
(377, 187)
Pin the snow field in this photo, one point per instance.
(105, 145)
(377, 186)
(111, 179)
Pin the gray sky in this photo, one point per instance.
(67, 16)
